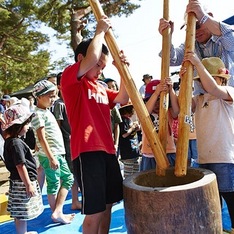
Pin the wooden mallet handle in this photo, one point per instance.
(139, 106)
(164, 96)
(185, 99)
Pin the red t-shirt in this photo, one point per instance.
(88, 106)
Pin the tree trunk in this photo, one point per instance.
(77, 24)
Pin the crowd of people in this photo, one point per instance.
(84, 128)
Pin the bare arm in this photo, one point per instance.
(46, 148)
(154, 97)
(151, 102)
(2, 118)
(213, 25)
(175, 109)
(208, 82)
(122, 96)
(134, 128)
(116, 135)
(23, 173)
(94, 50)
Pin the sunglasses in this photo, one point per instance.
(197, 25)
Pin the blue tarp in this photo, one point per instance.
(229, 20)
(44, 224)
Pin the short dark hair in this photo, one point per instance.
(128, 109)
(83, 47)
(59, 76)
(52, 75)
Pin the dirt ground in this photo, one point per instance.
(4, 181)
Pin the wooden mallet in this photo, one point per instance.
(139, 106)
(185, 99)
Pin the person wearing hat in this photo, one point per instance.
(53, 79)
(25, 200)
(4, 104)
(51, 151)
(6, 97)
(213, 38)
(215, 123)
(6, 101)
(2, 109)
(152, 95)
(146, 79)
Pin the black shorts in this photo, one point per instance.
(99, 177)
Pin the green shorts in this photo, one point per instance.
(62, 175)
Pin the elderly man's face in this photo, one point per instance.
(202, 33)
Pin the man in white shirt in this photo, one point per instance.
(146, 79)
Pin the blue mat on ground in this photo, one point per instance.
(44, 224)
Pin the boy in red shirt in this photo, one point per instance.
(88, 106)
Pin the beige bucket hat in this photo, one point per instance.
(215, 67)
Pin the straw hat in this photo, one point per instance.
(122, 106)
(215, 67)
(126, 108)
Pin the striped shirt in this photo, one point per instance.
(217, 46)
(44, 118)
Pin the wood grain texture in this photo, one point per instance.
(171, 204)
(185, 99)
(139, 106)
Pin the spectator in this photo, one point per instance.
(31, 103)
(146, 79)
(115, 115)
(6, 101)
(24, 188)
(152, 99)
(128, 141)
(51, 151)
(60, 114)
(215, 124)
